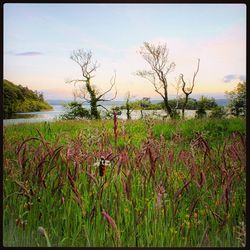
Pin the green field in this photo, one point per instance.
(169, 183)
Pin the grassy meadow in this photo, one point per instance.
(169, 183)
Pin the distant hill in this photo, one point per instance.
(222, 102)
(17, 98)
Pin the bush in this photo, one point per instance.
(74, 110)
(200, 112)
(218, 112)
(237, 100)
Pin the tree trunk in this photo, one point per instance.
(167, 107)
(184, 106)
(93, 102)
(128, 111)
(93, 110)
(141, 114)
(128, 115)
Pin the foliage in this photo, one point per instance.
(166, 181)
(200, 112)
(206, 103)
(218, 112)
(145, 102)
(75, 110)
(17, 98)
(237, 100)
(192, 104)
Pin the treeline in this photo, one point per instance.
(17, 98)
(192, 104)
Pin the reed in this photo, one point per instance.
(157, 191)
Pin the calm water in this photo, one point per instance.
(41, 116)
(50, 116)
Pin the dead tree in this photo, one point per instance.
(188, 90)
(87, 91)
(157, 58)
(128, 106)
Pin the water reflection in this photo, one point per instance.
(42, 116)
(21, 115)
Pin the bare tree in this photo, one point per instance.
(188, 90)
(128, 106)
(157, 58)
(87, 91)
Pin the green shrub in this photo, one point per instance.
(75, 110)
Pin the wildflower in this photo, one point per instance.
(28, 205)
(18, 221)
(102, 164)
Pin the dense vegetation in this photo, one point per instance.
(237, 99)
(17, 98)
(169, 183)
(192, 104)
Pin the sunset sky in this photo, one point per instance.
(39, 38)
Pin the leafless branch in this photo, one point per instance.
(82, 93)
(157, 58)
(196, 72)
(185, 90)
(112, 84)
(100, 105)
(84, 60)
(188, 91)
(177, 87)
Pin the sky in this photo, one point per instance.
(39, 39)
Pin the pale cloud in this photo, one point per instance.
(26, 53)
(29, 53)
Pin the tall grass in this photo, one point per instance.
(173, 184)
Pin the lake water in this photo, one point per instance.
(50, 116)
(41, 116)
